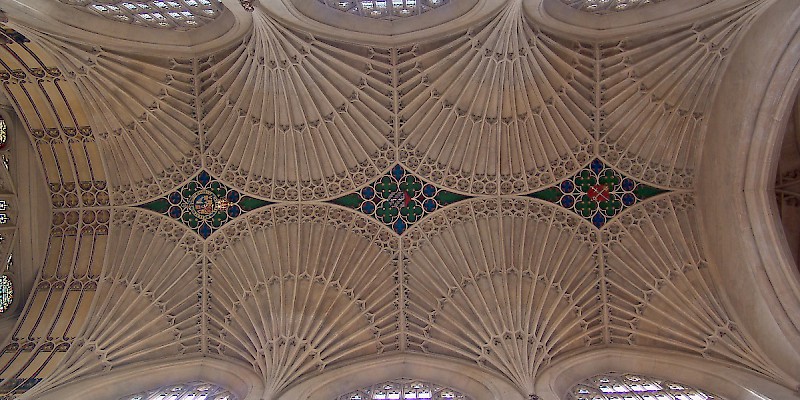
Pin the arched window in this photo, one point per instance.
(403, 389)
(608, 6)
(6, 292)
(186, 391)
(626, 386)
(385, 9)
(169, 14)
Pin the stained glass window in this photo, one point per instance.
(598, 193)
(617, 386)
(6, 292)
(186, 391)
(403, 389)
(385, 9)
(169, 14)
(399, 199)
(608, 6)
(204, 204)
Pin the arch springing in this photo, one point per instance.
(186, 391)
(628, 386)
(404, 389)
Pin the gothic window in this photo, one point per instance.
(608, 6)
(6, 292)
(385, 9)
(404, 389)
(615, 386)
(169, 14)
(3, 133)
(186, 391)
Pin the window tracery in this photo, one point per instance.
(608, 6)
(385, 9)
(404, 389)
(166, 14)
(619, 386)
(186, 391)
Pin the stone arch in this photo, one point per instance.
(747, 122)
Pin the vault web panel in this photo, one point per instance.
(204, 204)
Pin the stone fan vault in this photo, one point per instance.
(502, 194)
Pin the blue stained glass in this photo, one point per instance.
(234, 211)
(628, 199)
(368, 192)
(567, 201)
(204, 178)
(598, 220)
(399, 226)
(398, 172)
(233, 196)
(175, 198)
(628, 184)
(368, 207)
(429, 190)
(597, 166)
(205, 230)
(175, 212)
(567, 186)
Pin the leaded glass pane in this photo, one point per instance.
(168, 14)
(404, 389)
(618, 386)
(385, 9)
(186, 391)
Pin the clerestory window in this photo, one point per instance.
(166, 14)
(185, 391)
(385, 9)
(608, 6)
(619, 386)
(404, 389)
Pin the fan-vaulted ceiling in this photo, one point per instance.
(495, 276)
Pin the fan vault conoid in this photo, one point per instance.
(497, 195)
